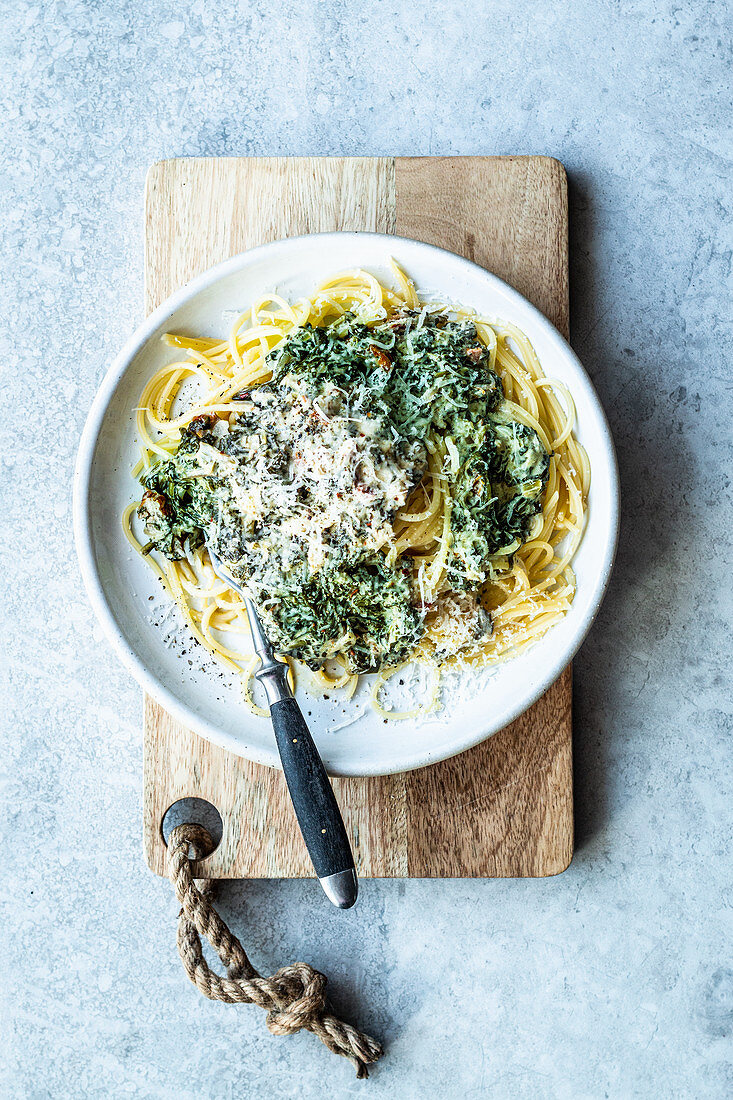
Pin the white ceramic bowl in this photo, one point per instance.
(119, 582)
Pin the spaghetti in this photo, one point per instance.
(470, 599)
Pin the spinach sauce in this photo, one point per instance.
(298, 492)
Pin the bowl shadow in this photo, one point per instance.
(612, 667)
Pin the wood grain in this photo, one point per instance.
(201, 211)
(503, 809)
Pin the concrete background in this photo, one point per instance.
(612, 980)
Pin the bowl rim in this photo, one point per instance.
(405, 761)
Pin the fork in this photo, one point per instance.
(316, 808)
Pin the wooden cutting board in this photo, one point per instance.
(503, 809)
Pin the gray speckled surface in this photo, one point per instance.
(613, 980)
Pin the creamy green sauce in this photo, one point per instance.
(298, 493)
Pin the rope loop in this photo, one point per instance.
(294, 997)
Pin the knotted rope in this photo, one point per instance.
(294, 997)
